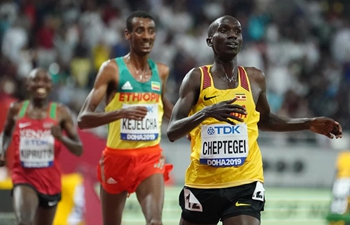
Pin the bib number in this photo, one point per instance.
(144, 130)
(36, 148)
(224, 145)
(259, 192)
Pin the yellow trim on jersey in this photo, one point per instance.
(127, 134)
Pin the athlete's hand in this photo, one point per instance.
(56, 132)
(327, 127)
(135, 112)
(226, 111)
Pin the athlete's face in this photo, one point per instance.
(142, 36)
(39, 84)
(227, 37)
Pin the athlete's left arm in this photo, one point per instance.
(271, 122)
(163, 71)
(72, 140)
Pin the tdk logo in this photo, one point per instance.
(223, 130)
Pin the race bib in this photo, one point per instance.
(341, 194)
(144, 130)
(259, 192)
(224, 145)
(36, 148)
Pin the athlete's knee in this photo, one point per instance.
(155, 222)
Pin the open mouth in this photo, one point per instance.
(41, 91)
(146, 45)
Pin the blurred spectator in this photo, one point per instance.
(91, 24)
(46, 52)
(65, 41)
(101, 53)
(14, 40)
(80, 65)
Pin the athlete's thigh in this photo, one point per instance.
(45, 215)
(241, 220)
(150, 194)
(200, 206)
(246, 203)
(25, 202)
(112, 206)
(184, 222)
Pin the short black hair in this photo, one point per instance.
(214, 25)
(212, 28)
(140, 14)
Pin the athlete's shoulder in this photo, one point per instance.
(193, 78)
(255, 74)
(161, 65)
(63, 111)
(107, 71)
(16, 106)
(162, 68)
(195, 71)
(61, 107)
(109, 64)
(205, 69)
(194, 74)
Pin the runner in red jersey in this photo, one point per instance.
(35, 126)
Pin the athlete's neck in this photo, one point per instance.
(139, 63)
(225, 68)
(39, 103)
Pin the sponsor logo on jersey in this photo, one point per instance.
(127, 86)
(206, 98)
(155, 86)
(111, 181)
(23, 125)
(30, 133)
(137, 97)
(52, 203)
(238, 204)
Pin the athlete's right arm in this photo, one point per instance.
(6, 135)
(88, 118)
(181, 124)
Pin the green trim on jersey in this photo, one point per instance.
(53, 109)
(127, 83)
(23, 110)
(52, 113)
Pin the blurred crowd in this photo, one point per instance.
(303, 46)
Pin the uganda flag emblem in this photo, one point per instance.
(241, 97)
